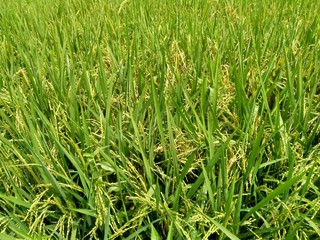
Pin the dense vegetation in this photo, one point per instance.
(167, 119)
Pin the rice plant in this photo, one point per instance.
(168, 119)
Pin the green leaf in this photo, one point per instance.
(154, 233)
(225, 230)
(4, 236)
(280, 189)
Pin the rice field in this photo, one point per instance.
(168, 119)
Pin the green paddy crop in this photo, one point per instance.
(168, 119)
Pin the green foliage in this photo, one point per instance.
(159, 119)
